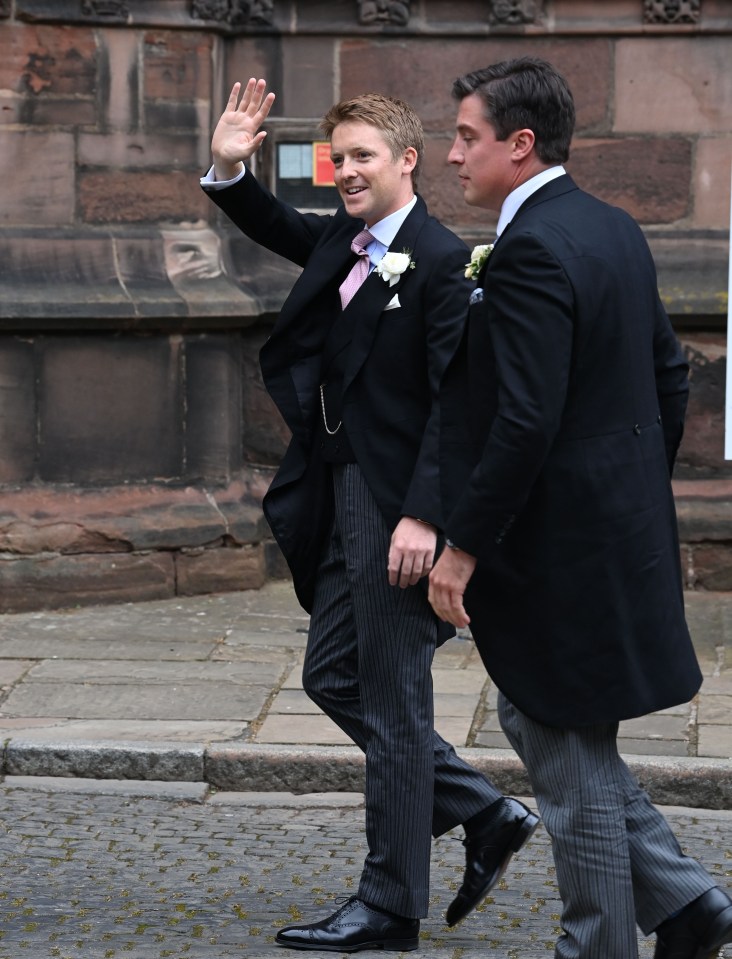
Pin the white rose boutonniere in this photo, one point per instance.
(392, 265)
(477, 260)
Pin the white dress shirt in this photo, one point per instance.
(514, 199)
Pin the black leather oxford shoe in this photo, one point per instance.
(356, 925)
(699, 930)
(508, 825)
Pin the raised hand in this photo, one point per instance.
(237, 135)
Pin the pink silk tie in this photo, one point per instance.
(360, 268)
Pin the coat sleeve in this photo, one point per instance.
(445, 298)
(268, 221)
(530, 308)
(672, 383)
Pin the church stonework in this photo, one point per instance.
(136, 439)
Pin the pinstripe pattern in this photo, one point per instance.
(617, 860)
(367, 665)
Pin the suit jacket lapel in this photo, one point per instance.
(290, 368)
(367, 306)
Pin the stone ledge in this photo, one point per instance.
(470, 19)
(62, 547)
(677, 781)
(190, 274)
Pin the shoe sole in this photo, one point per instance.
(390, 945)
(524, 832)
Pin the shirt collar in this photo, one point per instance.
(385, 230)
(514, 199)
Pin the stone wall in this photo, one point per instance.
(135, 437)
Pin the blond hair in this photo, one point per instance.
(394, 119)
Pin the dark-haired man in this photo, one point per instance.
(561, 414)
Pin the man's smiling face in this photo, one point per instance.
(371, 182)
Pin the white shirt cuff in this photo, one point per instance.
(209, 182)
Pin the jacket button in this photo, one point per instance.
(636, 430)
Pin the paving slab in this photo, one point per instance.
(175, 683)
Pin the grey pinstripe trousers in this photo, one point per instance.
(617, 860)
(367, 665)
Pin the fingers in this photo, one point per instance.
(255, 103)
(406, 568)
(448, 605)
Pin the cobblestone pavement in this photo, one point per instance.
(84, 874)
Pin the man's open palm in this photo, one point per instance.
(237, 135)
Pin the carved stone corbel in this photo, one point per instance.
(112, 9)
(514, 12)
(383, 11)
(671, 11)
(236, 13)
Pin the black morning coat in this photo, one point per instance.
(396, 358)
(561, 413)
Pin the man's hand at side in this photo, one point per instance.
(237, 135)
(448, 580)
(412, 552)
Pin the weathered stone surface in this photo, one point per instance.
(184, 700)
(129, 518)
(17, 411)
(49, 581)
(266, 431)
(51, 157)
(711, 183)
(285, 768)
(41, 59)
(176, 65)
(214, 429)
(712, 566)
(134, 151)
(126, 197)
(701, 454)
(80, 277)
(99, 760)
(650, 178)
(421, 71)
(109, 407)
(219, 570)
(687, 83)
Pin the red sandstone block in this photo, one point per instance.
(251, 57)
(43, 59)
(123, 197)
(711, 183)
(28, 159)
(109, 407)
(17, 410)
(421, 71)
(177, 65)
(267, 436)
(308, 79)
(650, 178)
(440, 187)
(127, 151)
(673, 85)
(710, 566)
(702, 448)
(220, 570)
(53, 582)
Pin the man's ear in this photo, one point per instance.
(522, 143)
(409, 159)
